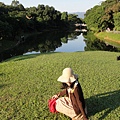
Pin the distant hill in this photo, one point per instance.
(80, 14)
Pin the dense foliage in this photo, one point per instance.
(15, 19)
(104, 16)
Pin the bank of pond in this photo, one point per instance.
(110, 36)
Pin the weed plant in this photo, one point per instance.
(27, 82)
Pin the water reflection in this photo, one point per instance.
(93, 43)
(57, 42)
(99, 45)
(73, 45)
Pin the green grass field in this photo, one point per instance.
(27, 82)
(109, 37)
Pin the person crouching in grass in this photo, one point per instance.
(73, 104)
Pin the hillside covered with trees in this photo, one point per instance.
(104, 16)
(16, 19)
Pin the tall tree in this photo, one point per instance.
(102, 16)
(15, 3)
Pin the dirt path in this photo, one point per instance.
(109, 39)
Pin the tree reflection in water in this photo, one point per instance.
(93, 44)
(49, 41)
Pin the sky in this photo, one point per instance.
(60, 5)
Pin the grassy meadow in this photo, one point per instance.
(27, 82)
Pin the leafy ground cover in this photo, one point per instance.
(27, 82)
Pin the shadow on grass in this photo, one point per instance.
(107, 101)
(25, 57)
(29, 56)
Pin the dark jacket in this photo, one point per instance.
(77, 99)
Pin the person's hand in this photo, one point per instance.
(84, 118)
(55, 97)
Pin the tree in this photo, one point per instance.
(64, 16)
(101, 17)
(2, 4)
(72, 17)
(5, 29)
(117, 21)
(93, 18)
(21, 7)
(15, 3)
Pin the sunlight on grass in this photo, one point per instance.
(107, 35)
(27, 82)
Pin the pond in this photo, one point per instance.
(72, 45)
(57, 41)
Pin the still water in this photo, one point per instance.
(73, 45)
(56, 42)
